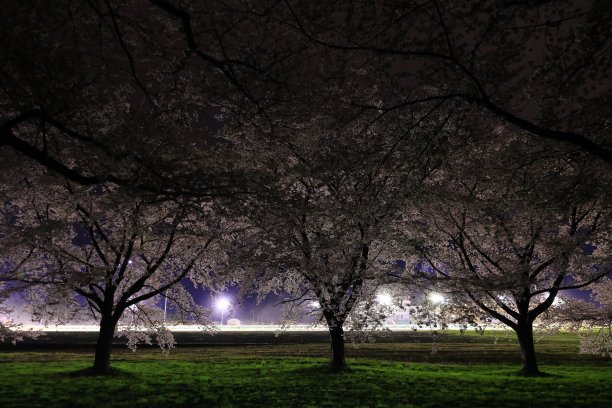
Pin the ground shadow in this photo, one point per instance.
(90, 372)
(322, 368)
(541, 374)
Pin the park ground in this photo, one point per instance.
(250, 369)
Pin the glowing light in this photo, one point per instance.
(436, 298)
(384, 299)
(222, 304)
(315, 304)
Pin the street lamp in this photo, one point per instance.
(222, 304)
(165, 304)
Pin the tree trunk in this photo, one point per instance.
(524, 333)
(337, 345)
(104, 344)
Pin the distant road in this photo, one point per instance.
(224, 337)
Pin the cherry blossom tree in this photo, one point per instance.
(514, 234)
(591, 319)
(94, 94)
(13, 255)
(598, 339)
(115, 255)
(10, 330)
(541, 67)
(80, 80)
(51, 102)
(317, 225)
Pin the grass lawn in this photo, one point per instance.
(468, 371)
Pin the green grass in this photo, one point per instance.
(468, 371)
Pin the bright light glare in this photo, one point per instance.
(436, 298)
(384, 299)
(315, 304)
(222, 303)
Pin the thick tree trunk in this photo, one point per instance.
(524, 333)
(104, 345)
(337, 345)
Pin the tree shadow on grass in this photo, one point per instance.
(90, 372)
(321, 369)
(324, 369)
(541, 374)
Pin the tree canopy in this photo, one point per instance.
(315, 147)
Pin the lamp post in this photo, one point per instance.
(436, 299)
(222, 304)
(165, 305)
